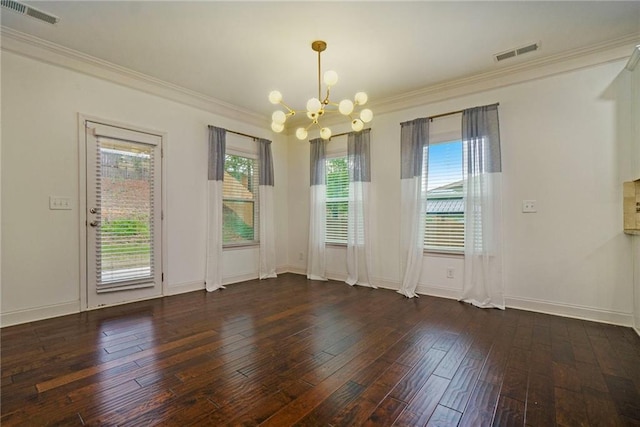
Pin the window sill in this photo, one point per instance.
(336, 245)
(443, 254)
(236, 246)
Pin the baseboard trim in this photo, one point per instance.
(182, 288)
(421, 289)
(539, 306)
(239, 278)
(566, 310)
(571, 310)
(385, 283)
(39, 313)
(291, 269)
(440, 292)
(338, 277)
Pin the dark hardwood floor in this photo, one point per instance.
(290, 351)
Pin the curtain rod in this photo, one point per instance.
(346, 133)
(257, 137)
(451, 113)
(239, 133)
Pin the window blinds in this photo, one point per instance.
(444, 223)
(337, 200)
(240, 200)
(124, 213)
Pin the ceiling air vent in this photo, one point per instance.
(516, 52)
(23, 9)
(505, 55)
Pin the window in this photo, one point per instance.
(240, 200)
(126, 199)
(337, 200)
(444, 227)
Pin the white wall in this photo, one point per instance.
(40, 247)
(559, 148)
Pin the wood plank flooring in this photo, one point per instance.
(289, 351)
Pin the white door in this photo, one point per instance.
(123, 202)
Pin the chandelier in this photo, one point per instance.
(318, 107)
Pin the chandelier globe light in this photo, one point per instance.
(316, 108)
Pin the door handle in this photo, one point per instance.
(94, 223)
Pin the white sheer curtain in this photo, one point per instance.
(316, 262)
(414, 137)
(213, 274)
(267, 225)
(358, 241)
(483, 281)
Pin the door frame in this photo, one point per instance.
(82, 200)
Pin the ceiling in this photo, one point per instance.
(237, 52)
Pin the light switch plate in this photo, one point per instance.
(59, 203)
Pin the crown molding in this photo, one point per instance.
(612, 50)
(52, 53)
(633, 60)
(43, 50)
(609, 51)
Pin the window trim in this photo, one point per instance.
(443, 253)
(82, 187)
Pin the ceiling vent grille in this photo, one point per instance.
(516, 52)
(23, 9)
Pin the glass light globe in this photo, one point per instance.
(301, 133)
(366, 115)
(325, 133)
(357, 125)
(313, 105)
(277, 127)
(345, 107)
(330, 78)
(361, 98)
(275, 97)
(279, 117)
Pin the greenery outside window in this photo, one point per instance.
(240, 201)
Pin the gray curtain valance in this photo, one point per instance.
(317, 158)
(266, 162)
(359, 156)
(217, 143)
(414, 135)
(481, 136)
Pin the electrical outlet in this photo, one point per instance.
(300, 256)
(449, 273)
(529, 206)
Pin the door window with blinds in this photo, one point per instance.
(444, 226)
(337, 200)
(123, 218)
(240, 199)
(125, 212)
